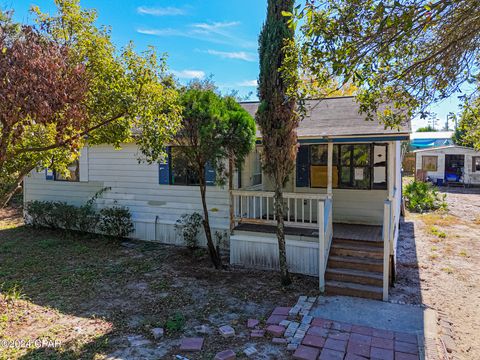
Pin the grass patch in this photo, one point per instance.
(463, 253)
(12, 292)
(437, 232)
(448, 270)
(439, 219)
(433, 256)
(175, 323)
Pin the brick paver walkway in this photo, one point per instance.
(312, 338)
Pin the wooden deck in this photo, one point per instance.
(340, 231)
(357, 232)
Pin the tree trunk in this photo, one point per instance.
(230, 188)
(7, 196)
(282, 250)
(214, 255)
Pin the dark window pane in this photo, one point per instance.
(73, 173)
(361, 155)
(476, 163)
(345, 176)
(345, 154)
(319, 154)
(361, 178)
(182, 173)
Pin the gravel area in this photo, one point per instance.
(438, 262)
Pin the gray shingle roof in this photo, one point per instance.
(337, 116)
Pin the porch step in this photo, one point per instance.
(352, 289)
(354, 276)
(356, 263)
(358, 250)
(369, 243)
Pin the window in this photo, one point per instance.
(256, 169)
(379, 167)
(182, 173)
(73, 173)
(354, 166)
(476, 164)
(319, 166)
(176, 170)
(429, 163)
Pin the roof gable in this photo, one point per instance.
(337, 116)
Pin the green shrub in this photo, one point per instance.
(116, 222)
(423, 196)
(175, 323)
(189, 226)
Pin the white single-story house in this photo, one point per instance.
(343, 199)
(451, 164)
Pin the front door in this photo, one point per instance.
(454, 167)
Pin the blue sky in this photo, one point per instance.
(202, 38)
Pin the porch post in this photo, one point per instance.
(391, 170)
(330, 168)
(321, 246)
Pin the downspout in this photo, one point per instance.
(156, 222)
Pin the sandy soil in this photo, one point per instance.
(438, 265)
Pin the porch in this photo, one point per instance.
(349, 259)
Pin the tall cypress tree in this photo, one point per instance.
(276, 114)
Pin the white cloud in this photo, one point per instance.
(189, 74)
(160, 11)
(240, 55)
(160, 32)
(216, 26)
(216, 32)
(248, 83)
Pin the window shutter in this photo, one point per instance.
(164, 169)
(49, 174)
(303, 166)
(210, 175)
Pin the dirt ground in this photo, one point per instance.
(438, 265)
(70, 296)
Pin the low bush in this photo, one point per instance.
(115, 221)
(421, 196)
(189, 226)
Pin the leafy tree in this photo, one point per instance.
(124, 91)
(41, 99)
(276, 115)
(427, 128)
(212, 129)
(400, 53)
(467, 132)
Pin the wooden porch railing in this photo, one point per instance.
(325, 236)
(389, 220)
(303, 210)
(257, 206)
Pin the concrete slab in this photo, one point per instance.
(373, 313)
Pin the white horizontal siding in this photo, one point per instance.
(354, 206)
(260, 251)
(134, 185)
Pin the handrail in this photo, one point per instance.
(325, 237)
(258, 206)
(388, 226)
(286, 195)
